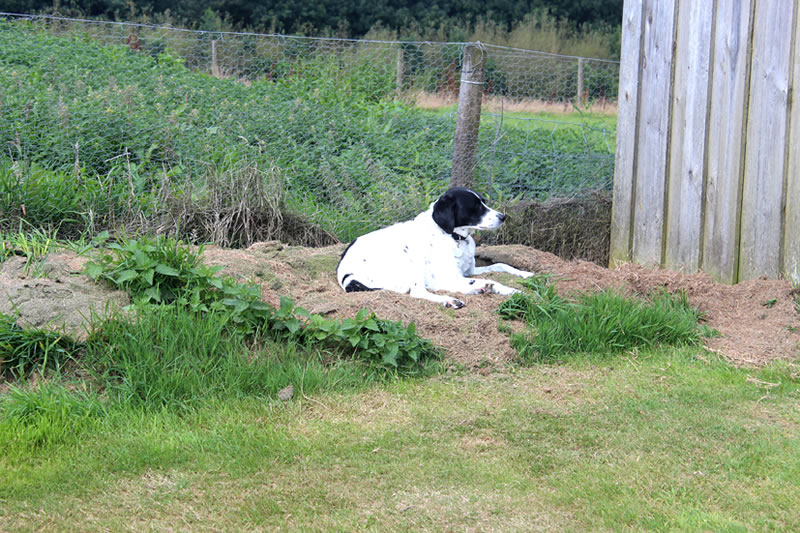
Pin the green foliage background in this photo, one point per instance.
(347, 18)
(96, 133)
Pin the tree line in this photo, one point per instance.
(345, 18)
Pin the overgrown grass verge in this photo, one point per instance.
(191, 336)
(602, 323)
(32, 243)
(664, 439)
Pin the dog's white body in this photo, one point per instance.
(419, 256)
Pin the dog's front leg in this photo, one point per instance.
(463, 285)
(419, 291)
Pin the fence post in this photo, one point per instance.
(400, 73)
(579, 99)
(469, 115)
(214, 65)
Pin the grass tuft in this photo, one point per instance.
(44, 416)
(600, 323)
(22, 350)
(172, 357)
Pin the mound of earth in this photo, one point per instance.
(55, 293)
(758, 320)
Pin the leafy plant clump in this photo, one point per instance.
(163, 271)
(599, 323)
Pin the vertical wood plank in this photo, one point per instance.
(764, 165)
(653, 131)
(626, 133)
(726, 139)
(791, 243)
(688, 136)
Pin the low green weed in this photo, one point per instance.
(378, 342)
(599, 323)
(164, 271)
(156, 270)
(35, 244)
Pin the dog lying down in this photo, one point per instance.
(433, 252)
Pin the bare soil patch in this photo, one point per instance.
(757, 320)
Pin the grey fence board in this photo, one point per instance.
(764, 164)
(725, 139)
(653, 131)
(626, 137)
(687, 150)
(791, 245)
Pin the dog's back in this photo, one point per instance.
(378, 260)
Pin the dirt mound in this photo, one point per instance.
(758, 320)
(54, 294)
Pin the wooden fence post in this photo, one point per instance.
(214, 65)
(469, 116)
(400, 70)
(579, 98)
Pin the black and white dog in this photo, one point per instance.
(434, 251)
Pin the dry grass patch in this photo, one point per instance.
(496, 104)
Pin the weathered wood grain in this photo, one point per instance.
(765, 151)
(628, 101)
(726, 139)
(791, 243)
(685, 180)
(653, 131)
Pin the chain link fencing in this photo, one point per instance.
(99, 120)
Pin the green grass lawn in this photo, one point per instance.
(656, 440)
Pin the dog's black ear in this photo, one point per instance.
(444, 212)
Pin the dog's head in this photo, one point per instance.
(462, 208)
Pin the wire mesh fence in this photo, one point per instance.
(100, 118)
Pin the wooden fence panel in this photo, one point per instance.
(624, 165)
(726, 139)
(708, 149)
(653, 131)
(688, 134)
(765, 152)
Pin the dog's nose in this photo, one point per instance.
(501, 216)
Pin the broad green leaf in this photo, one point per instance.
(93, 270)
(126, 275)
(390, 355)
(167, 270)
(152, 293)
